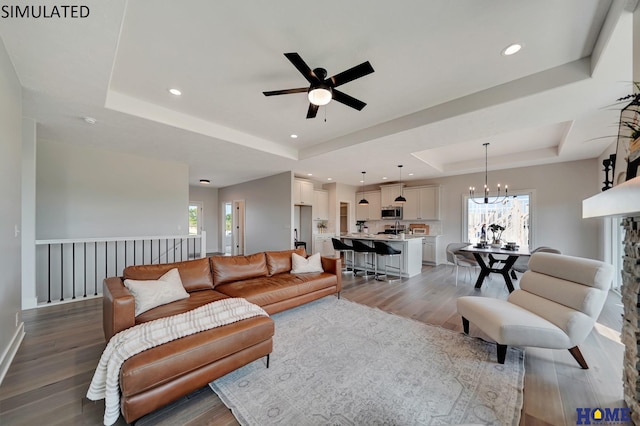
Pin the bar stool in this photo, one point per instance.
(360, 247)
(345, 250)
(385, 250)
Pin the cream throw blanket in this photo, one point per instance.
(105, 383)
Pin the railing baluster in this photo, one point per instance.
(49, 274)
(106, 273)
(85, 269)
(174, 249)
(159, 252)
(134, 253)
(95, 267)
(166, 250)
(142, 251)
(61, 272)
(115, 267)
(125, 254)
(73, 269)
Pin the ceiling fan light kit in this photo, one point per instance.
(320, 95)
(321, 89)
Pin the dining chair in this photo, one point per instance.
(457, 258)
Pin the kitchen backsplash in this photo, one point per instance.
(375, 226)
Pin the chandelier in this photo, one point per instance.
(498, 198)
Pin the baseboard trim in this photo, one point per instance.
(10, 352)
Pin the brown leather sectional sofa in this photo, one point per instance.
(157, 376)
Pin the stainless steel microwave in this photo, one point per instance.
(391, 213)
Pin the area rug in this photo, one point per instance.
(341, 363)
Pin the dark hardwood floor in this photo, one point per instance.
(48, 380)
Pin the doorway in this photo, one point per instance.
(344, 218)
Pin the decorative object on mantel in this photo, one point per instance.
(364, 201)
(400, 199)
(627, 157)
(472, 189)
(624, 200)
(608, 164)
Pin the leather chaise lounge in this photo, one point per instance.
(160, 375)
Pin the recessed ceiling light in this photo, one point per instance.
(175, 92)
(329, 178)
(205, 181)
(512, 49)
(90, 120)
(384, 178)
(361, 181)
(410, 174)
(309, 174)
(294, 136)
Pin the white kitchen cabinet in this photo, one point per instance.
(320, 210)
(388, 194)
(322, 244)
(372, 211)
(411, 209)
(423, 203)
(302, 192)
(430, 252)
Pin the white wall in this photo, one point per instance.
(268, 211)
(211, 220)
(341, 193)
(85, 192)
(10, 211)
(559, 191)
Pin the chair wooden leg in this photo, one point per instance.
(577, 355)
(502, 353)
(465, 325)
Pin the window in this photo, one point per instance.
(195, 213)
(514, 213)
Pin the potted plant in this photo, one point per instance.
(322, 225)
(496, 234)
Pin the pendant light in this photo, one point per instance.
(363, 202)
(400, 199)
(486, 200)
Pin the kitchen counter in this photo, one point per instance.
(382, 237)
(411, 247)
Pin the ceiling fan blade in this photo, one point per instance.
(286, 92)
(301, 66)
(313, 110)
(343, 98)
(351, 74)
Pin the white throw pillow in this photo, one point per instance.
(152, 293)
(300, 265)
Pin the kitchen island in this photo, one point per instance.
(410, 245)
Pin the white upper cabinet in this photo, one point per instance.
(372, 211)
(388, 194)
(302, 192)
(320, 210)
(423, 203)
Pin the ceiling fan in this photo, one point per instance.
(322, 89)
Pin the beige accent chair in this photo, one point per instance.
(458, 259)
(557, 305)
